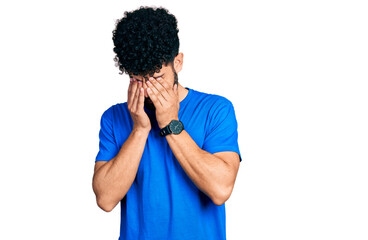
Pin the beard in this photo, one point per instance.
(148, 102)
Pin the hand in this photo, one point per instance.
(140, 118)
(166, 100)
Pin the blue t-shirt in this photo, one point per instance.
(163, 202)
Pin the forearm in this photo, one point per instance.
(210, 174)
(112, 181)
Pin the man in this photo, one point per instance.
(169, 154)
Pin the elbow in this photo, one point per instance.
(103, 201)
(105, 208)
(219, 200)
(106, 201)
(222, 196)
(105, 205)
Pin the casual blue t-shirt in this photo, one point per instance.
(163, 202)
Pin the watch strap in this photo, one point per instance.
(165, 131)
(175, 127)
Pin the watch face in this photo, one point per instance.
(176, 126)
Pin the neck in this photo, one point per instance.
(183, 92)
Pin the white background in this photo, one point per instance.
(296, 72)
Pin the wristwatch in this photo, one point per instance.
(174, 127)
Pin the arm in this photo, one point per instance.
(112, 179)
(214, 174)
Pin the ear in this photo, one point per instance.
(178, 62)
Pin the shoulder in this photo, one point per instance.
(114, 110)
(212, 101)
(212, 107)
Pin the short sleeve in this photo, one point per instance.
(107, 146)
(222, 130)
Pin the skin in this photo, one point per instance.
(214, 174)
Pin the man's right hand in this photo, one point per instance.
(141, 121)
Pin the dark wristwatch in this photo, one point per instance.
(174, 127)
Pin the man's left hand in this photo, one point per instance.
(166, 100)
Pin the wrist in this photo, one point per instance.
(174, 127)
(164, 124)
(141, 131)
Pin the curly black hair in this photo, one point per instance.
(144, 40)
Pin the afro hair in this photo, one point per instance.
(144, 40)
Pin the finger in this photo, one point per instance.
(141, 99)
(136, 96)
(164, 84)
(144, 84)
(154, 98)
(130, 88)
(160, 87)
(156, 93)
(133, 88)
(130, 85)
